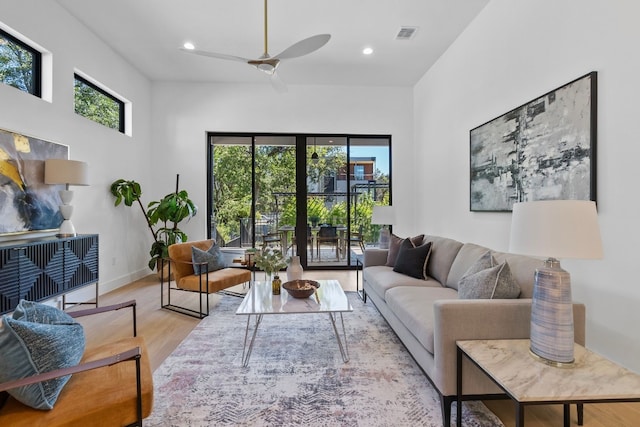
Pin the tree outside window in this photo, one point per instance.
(97, 105)
(19, 64)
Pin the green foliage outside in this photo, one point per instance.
(275, 173)
(316, 210)
(231, 188)
(16, 65)
(96, 106)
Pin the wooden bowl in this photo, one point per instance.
(301, 288)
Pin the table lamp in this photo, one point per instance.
(383, 215)
(555, 229)
(68, 172)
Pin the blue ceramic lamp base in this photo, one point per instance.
(552, 337)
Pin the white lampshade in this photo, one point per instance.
(556, 228)
(68, 172)
(63, 171)
(383, 215)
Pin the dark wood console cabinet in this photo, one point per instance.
(41, 269)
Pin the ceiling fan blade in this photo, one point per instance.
(215, 55)
(304, 47)
(278, 84)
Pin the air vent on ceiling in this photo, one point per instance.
(406, 33)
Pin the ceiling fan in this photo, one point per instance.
(267, 63)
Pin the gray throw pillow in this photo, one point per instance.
(394, 247)
(413, 261)
(212, 256)
(486, 279)
(38, 338)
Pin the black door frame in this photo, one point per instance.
(301, 184)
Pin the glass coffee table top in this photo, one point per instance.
(260, 300)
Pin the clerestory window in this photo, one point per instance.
(98, 105)
(20, 64)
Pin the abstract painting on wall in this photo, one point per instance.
(27, 204)
(542, 150)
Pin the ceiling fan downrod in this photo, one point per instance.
(266, 45)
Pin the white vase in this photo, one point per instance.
(294, 270)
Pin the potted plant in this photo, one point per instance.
(168, 212)
(315, 219)
(270, 260)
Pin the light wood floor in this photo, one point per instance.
(163, 330)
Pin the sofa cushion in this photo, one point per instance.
(443, 252)
(30, 347)
(212, 256)
(412, 260)
(485, 261)
(380, 279)
(486, 279)
(394, 247)
(469, 253)
(414, 306)
(523, 269)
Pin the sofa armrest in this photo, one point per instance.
(456, 320)
(374, 256)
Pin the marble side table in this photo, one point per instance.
(527, 381)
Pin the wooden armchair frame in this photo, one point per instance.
(133, 354)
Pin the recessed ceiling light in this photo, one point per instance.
(188, 45)
(367, 51)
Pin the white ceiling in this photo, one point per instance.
(149, 33)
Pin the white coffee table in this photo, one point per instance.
(260, 301)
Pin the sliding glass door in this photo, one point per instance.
(307, 195)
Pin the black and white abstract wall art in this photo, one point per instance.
(542, 150)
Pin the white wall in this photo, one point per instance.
(123, 239)
(183, 113)
(513, 52)
(169, 125)
(516, 51)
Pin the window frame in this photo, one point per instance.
(36, 64)
(121, 104)
(304, 145)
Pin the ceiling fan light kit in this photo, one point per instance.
(267, 63)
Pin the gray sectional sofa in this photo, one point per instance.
(429, 318)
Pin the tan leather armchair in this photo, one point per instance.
(180, 262)
(112, 386)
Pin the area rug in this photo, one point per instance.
(296, 375)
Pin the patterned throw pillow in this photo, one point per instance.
(212, 256)
(486, 279)
(29, 311)
(413, 261)
(38, 338)
(394, 247)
